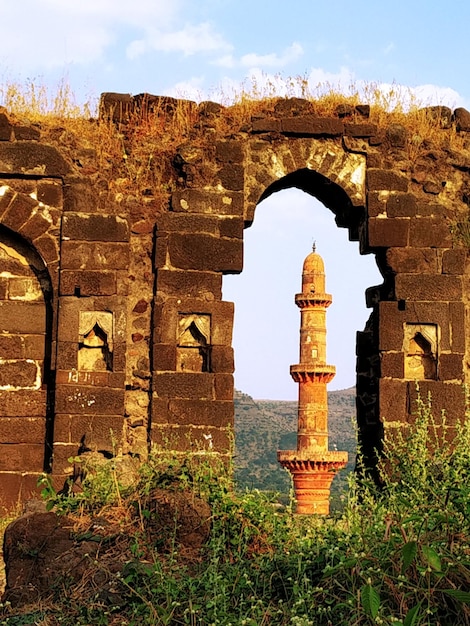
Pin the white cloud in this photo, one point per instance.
(189, 40)
(45, 34)
(257, 61)
(292, 53)
(192, 89)
(392, 94)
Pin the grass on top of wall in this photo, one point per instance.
(135, 151)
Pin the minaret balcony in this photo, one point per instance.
(312, 372)
(304, 300)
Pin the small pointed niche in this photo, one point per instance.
(95, 345)
(421, 352)
(193, 350)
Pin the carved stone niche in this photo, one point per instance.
(193, 344)
(95, 346)
(420, 346)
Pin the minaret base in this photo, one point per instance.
(312, 478)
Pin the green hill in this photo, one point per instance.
(264, 426)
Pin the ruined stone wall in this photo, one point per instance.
(113, 333)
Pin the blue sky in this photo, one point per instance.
(208, 49)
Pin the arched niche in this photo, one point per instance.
(26, 381)
(420, 347)
(193, 347)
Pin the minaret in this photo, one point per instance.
(312, 465)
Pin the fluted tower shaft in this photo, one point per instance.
(312, 373)
(312, 465)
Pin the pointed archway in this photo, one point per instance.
(25, 367)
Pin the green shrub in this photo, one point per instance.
(398, 556)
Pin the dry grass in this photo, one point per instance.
(138, 152)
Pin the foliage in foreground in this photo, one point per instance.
(399, 556)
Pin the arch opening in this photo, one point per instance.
(26, 375)
(288, 219)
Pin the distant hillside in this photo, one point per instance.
(264, 426)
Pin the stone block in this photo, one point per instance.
(222, 359)
(231, 227)
(206, 253)
(73, 399)
(26, 133)
(190, 438)
(62, 460)
(202, 201)
(30, 403)
(309, 125)
(19, 211)
(391, 322)
(19, 373)
(6, 199)
(428, 288)
(224, 387)
(448, 397)
(451, 367)
(208, 413)
(73, 376)
(392, 365)
(10, 492)
(232, 177)
(412, 261)
(430, 232)
(48, 249)
(188, 223)
(29, 157)
(12, 347)
(37, 225)
(265, 125)
(204, 285)
(86, 227)
(462, 119)
(457, 323)
(79, 196)
(67, 354)
(50, 193)
(22, 317)
(360, 130)
(453, 261)
(189, 385)
(388, 232)
(231, 151)
(378, 179)
(5, 128)
(402, 205)
(160, 408)
(23, 430)
(393, 405)
(397, 135)
(22, 457)
(15, 489)
(164, 357)
(94, 255)
(96, 432)
(87, 283)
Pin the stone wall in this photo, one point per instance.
(113, 333)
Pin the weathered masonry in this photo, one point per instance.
(113, 334)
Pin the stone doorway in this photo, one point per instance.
(25, 367)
